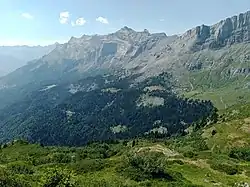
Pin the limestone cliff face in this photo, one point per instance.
(110, 50)
(227, 32)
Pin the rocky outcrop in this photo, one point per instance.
(227, 32)
(123, 44)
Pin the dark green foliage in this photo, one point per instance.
(190, 154)
(200, 145)
(88, 165)
(247, 173)
(20, 168)
(60, 158)
(213, 132)
(180, 162)
(225, 167)
(133, 143)
(58, 177)
(10, 179)
(42, 116)
(240, 153)
(98, 151)
(194, 140)
(204, 121)
(146, 166)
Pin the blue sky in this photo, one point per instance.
(38, 22)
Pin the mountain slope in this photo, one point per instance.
(102, 108)
(204, 48)
(217, 155)
(208, 62)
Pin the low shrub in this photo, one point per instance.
(58, 177)
(225, 168)
(88, 165)
(60, 158)
(98, 151)
(20, 168)
(240, 153)
(180, 162)
(190, 154)
(142, 166)
(7, 179)
(147, 166)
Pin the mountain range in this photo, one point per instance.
(89, 86)
(14, 57)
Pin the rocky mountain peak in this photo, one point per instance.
(125, 29)
(124, 43)
(130, 35)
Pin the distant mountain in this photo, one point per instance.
(201, 48)
(206, 62)
(2, 73)
(13, 57)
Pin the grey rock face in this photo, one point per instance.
(92, 54)
(227, 32)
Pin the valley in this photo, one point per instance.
(131, 108)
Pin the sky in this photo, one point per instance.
(43, 22)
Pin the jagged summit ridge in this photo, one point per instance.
(141, 52)
(227, 32)
(123, 45)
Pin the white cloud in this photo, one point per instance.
(27, 15)
(79, 22)
(102, 20)
(64, 17)
(162, 19)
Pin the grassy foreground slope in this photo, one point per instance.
(218, 155)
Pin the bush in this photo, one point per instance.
(190, 154)
(180, 162)
(98, 151)
(20, 168)
(60, 158)
(195, 140)
(247, 173)
(88, 165)
(240, 153)
(200, 145)
(40, 160)
(7, 179)
(225, 168)
(58, 177)
(140, 167)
